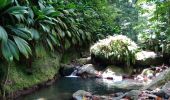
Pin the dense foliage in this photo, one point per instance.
(115, 48)
(153, 24)
(36, 25)
(39, 26)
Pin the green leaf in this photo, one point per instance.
(14, 49)
(45, 28)
(10, 50)
(50, 44)
(35, 34)
(6, 52)
(23, 32)
(59, 30)
(48, 10)
(53, 38)
(62, 24)
(17, 10)
(22, 46)
(3, 34)
(68, 33)
(49, 22)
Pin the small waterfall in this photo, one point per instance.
(73, 74)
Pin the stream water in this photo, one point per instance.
(66, 86)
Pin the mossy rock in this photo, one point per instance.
(115, 49)
(43, 69)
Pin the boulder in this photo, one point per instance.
(128, 85)
(87, 69)
(66, 70)
(146, 58)
(82, 61)
(166, 88)
(80, 94)
(159, 81)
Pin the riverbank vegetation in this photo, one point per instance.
(31, 30)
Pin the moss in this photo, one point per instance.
(42, 70)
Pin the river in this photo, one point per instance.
(64, 87)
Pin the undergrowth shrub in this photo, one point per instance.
(115, 48)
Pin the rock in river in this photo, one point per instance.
(87, 70)
(82, 61)
(159, 81)
(80, 94)
(166, 88)
(66, 69)
(148, 58)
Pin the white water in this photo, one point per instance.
(73, 74)
(107, 76)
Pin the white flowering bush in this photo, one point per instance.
(115, 48)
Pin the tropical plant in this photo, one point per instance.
(13, 34)
(115, 48)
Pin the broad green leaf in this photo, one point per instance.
(53, 38)
(3, 34)
(62, 24)
(31, 13)
(6, 52)
(10, 50)
(48, 10)
(22, 46)
(14, 49)
(45, 28)
(35, 34)
(17, 10)
(23, 32)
